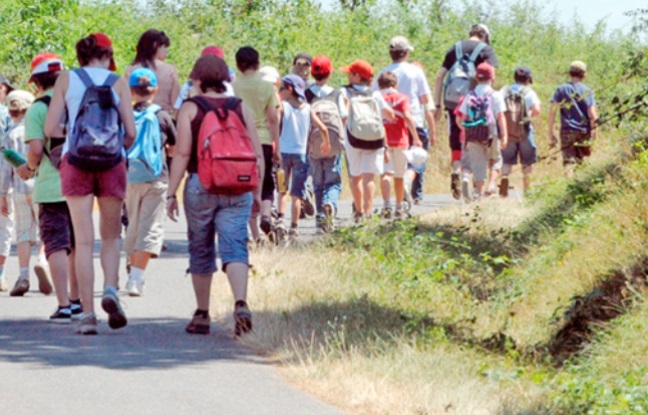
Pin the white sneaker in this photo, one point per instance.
(135, 288)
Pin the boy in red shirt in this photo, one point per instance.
(398, 132)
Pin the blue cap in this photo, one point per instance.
(298, 84)
(139, 73)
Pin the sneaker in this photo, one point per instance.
(454, 186)
(293, 232)
(308, 204)
(409, 202)
(21, 287)
(42, 273)
(358, 217)
(465, 190)
(242, 318)
(490, 191)
(418, 200)
(399, 213)
(110, 304)
(329, 215)
(62, 315)
(3, 285)
(266, 224)
(135, 288)
(386, 213)
(88, 325)
(199, 324)
(504, 187)
(77, 310)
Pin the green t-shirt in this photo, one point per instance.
(47, 187)
(258, 95)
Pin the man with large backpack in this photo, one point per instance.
(413, 83)
(325, 169)
(522, 104)
(454, 79)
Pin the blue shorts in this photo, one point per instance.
(295, 167)
(209, 214)
(526, 149)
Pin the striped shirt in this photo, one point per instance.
(15, 140)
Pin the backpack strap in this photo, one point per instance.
(458, 51)
(84, 77)
(477, 51)
(111, 80)
(45, 99)
(154, 108)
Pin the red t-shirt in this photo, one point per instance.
(397, 134)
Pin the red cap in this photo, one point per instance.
(485, 72)
(213, 50)
(44, 63)
(321, 65)
(360, 67)
(103, 41)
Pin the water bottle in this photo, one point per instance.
(13, 157)
(281, 180)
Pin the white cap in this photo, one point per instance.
(270, 74)
(400, 43)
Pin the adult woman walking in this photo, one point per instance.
(83, 177)
(151, 52)
(208, 213)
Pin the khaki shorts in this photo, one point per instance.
(397, 162)
(26, 217)
(481, 158)
(6, 230)
(146, 209)
(576, 146)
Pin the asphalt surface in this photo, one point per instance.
(150, 367)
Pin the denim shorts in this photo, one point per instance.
(209, 214)
(295, 167)
(526, 150)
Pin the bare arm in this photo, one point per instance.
(56, 109)
(552, 117)
(593, 116)
(326, 143)
(438, 88)
(427, 104)
(503, 132)
(388, 113)
(272, 115)
(181, 156)
(254, 136)
(411, 127)
(126, 111)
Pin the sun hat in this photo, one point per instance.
(578, 66)
(213, 50)
(297, 83)
(19, 100)
(270, 74)
(359, 67)
(103, 41)
(143, 77)
(321, 65)
(44, 63)
(400, 43)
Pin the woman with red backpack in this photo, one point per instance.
(220, 190)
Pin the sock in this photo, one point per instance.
(2, 271)
(398, 206)
(136, 274)
(75, 304)
(109, 288)
(201, 313)
(24, 273)
(387, 204)
(407, 183)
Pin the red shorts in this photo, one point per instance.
(108, 183)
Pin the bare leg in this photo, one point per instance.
(202, 289)
(357, 190)
(399, 189)
(479, 186)
(369, 192)
(140, 259)
(526, 177)
(237, 274)
(110, 209)
(283, 201)
(81, 213)
(296, 210)
(23, 250)
(385, 187)
(72, 276)
(58, 264)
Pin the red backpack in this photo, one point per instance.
(227, 162)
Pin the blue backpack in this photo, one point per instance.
(145, 156)
(96, 142)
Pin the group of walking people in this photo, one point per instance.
(245, 142)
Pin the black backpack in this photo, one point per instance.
(96, 142)
(53, 149)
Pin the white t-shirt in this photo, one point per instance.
(497, 100)
(324, 91)
(411, 82)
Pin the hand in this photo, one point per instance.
(325, 148)
(24, 172)
(172, 209)
(503, 143)
(256, 203)
(387, 158)
(432, 140)
(4, 206)
(417, 143)
(594, 135)
(553, 141)
(276, 158)
(437, 114)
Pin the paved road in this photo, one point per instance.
(151, 366)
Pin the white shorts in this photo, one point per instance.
(26, 216)
(365, 161)
(397, 165)
(6, 230)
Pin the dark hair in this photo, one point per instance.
(397, 55)
(480, 32)
(521, 78)
(148, 45)
(576, 73)
(46, 80)
(87, 50)
(387, 79)
(321, 76)
(144, 89)
(212, 72)
(247, 58)
(286, 85)
(17, 113)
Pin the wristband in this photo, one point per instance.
(171, 197)
(430, 107)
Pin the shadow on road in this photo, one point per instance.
(143, 344)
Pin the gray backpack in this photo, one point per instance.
(96, 142)
(460, 75)
(327, 110)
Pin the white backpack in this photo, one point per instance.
(365, 129)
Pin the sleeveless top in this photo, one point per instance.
(75, 91)
(192, 167)
(168, 84)
(295, 125)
